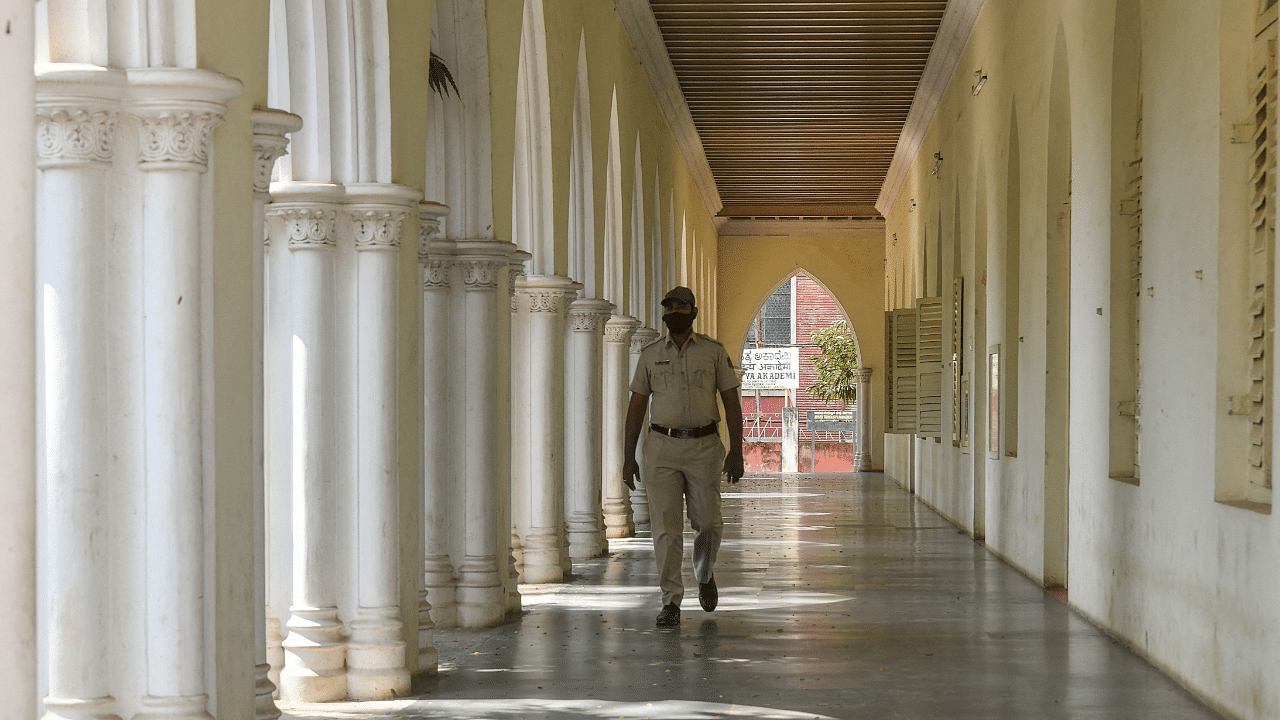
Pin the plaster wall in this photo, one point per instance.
(749, 269)
(1186, 581)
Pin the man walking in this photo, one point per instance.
(677, 380)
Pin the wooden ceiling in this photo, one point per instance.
(799, 104)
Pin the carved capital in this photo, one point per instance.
(266, 150)
(481, 274)
(307, 228)
(546, 301)
(68, 137)
(377, 228)
(176, 139)
(617, 333)
(435, 274)
(642, 337)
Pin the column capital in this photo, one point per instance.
(271, 130)
(429, 216)
(545, 293)
(178, 109)
(309, 212)
(862, 375)
(619, 328)
(77, 111)
(377, 211)
(588, 314)
(516, 260)
(641, 337)
(481, 273)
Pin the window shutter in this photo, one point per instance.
(1263, 238)
(900, 328)
(929, 367)
(957, 356)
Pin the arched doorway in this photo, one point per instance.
(778, 353)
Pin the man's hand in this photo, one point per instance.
(630, 473)
(733, 466)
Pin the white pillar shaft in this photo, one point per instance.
(18, 366)
(862, 405)
(520, 466)
(544, 392)
(433, 373)
(379, 421)
(277, 453)
(437, 432)
(377, 664)
(315, 654)
(615, 499)
(269, 143)
(175, 508)
(582, 428)
(480, 601)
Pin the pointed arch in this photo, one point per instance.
(747, 337)
(458, 124)
(614, 257)
(636, 306)
(532, 227)
(582, 223)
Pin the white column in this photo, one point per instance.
(615, 499)
(582, 410)
(437, 571)
(640, 496)
(520, 470)
(439, 490)
(377, 668)
(177, 111)
(541, 520)
(270, 141)
(515, 272)
(483, 266)
(18, 366)
(77, 117)
(315, 653)
(862, 407)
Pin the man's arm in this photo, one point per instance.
(733, 464)
(635, 421)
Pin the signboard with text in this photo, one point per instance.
(771, 368)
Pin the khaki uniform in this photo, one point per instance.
(683, 385)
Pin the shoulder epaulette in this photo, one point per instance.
(708, 337)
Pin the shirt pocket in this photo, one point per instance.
(661, 379)
(704, 376)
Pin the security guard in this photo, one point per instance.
(683, 456)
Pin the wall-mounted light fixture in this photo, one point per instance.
(982, 80)
(937, 163)
(913, 206)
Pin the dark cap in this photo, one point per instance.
(679, 293)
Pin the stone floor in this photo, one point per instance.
(841, 596)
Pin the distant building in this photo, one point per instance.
(789, 318)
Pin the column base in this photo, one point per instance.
(515, 603)
(174, 707)
(542, 560)
(441, 588)
(428, 659)
(586, 543)
(376, 668)
(480, 606)
(275, 653)
(315, 657)
(619, 525)
(862, 462)
(79, 709)
(639, 506)
(264, 704)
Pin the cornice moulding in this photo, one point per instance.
(953, 36)
(651, 51)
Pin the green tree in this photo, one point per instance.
(835, 364)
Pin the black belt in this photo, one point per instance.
(685, 433)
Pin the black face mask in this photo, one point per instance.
(679, 323)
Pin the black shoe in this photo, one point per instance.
(708, 595)
(670, 616)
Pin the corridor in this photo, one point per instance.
(841, 596)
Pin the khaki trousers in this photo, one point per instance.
(676, 471)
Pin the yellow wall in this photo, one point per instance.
(852, 270)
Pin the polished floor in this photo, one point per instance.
(841, 596)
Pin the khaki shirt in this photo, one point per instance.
(683, 382)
